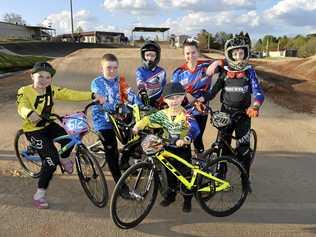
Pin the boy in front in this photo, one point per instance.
(180, 128)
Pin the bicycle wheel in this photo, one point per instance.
(253, 145)
(225, 202)
(134, 195)
(95, 146)
(91, 177)
(27, 155)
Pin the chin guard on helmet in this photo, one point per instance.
(240, 41)
(150, 46)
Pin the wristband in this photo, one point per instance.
(187, 139)
(93, 96)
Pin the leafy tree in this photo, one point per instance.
(221, 38)
(13, 18)
(79, 29)
(308, 49)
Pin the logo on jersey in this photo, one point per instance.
(38, 144)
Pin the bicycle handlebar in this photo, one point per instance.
(60, 118)
(209, 109)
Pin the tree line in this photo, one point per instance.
(306, 45)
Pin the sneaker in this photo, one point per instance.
(167, 201)
(40, 203)
(67, 165)
(124, 166)
(187, 206)
(124, 192)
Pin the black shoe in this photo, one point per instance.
(187, 207)
(124, 166)
(124, 192)
(167, 201)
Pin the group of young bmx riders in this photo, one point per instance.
(189, 90)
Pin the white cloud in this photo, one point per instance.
(83, 18)
(227, 21)
(136, 7)
(207, 5)
(61, 21)
(294, 12)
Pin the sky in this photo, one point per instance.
(258, 17)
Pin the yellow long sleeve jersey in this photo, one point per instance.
(29, 101)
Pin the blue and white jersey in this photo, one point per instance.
(110, 90)
(195, 82)
(151, 81)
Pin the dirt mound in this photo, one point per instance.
(291, 82)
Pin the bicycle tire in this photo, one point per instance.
(130, 174)
(85, 158)
(242, 174)
(93, 143)
(22, 160)
(253, 146)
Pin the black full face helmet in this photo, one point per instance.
(124, 121)
(150, 46)
(240, 41)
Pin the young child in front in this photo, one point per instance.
(180, 128)
(36, 102)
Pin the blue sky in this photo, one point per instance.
(258, 17)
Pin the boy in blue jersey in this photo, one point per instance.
(150, 78)
(195, 77)
(115, 91)
(238, 83)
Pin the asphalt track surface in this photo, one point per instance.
(283, 202)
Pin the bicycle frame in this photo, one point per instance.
(163, 157)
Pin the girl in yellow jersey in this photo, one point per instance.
(35, 103)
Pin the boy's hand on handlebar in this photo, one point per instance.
(135, 130)
(199, 106)
(100, 99)
(182, 142)
(252, 112)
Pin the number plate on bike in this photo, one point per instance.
(76, 123)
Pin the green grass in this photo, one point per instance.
(9, 63)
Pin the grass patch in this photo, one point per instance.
(10, 63)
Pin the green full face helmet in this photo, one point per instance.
(240, 41)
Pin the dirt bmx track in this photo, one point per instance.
(283, 200)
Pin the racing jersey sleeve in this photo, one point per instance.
(71, 95)
(24, 106)
(256, 88)
(141, 85)
(219, 85)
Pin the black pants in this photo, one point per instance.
(241, 126)
(198, 141)
(42, 140)
(111, 152)
(185, 153)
